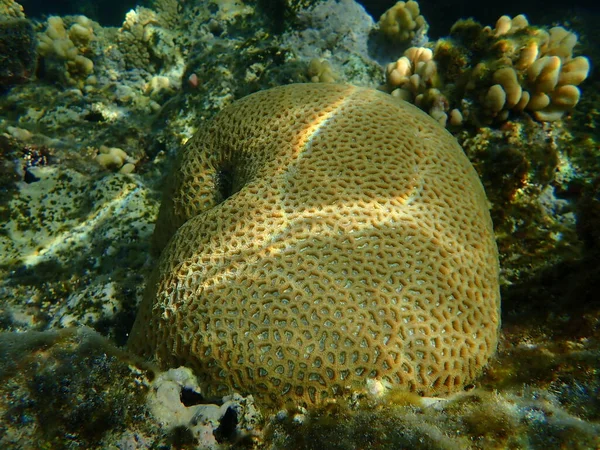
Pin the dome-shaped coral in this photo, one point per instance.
(323, 235)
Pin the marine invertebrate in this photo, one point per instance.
(544, 77)
(484, 74)
(63, 49)
(414, 78)
(11, 9)
(320, 71)
(321, 235)
(135, 36)
(148, 37)
(114, 158)
(403, 23)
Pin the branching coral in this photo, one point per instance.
(63, 49)
(114, 158)
(403, 23)
(11, 9)
(414, 78)
(483, 74)
(320, 70)
(544, 77)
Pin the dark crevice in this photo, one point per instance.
(190, 398)
(226, 430)
(225, 182)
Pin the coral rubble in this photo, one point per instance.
(75, 383)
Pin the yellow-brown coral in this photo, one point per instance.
(482, 74)
(10, 8)
(322, 235)
(66, 46)
(403, 22)
(320, 71)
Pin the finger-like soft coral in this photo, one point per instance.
(403, 22)
(486, 73)
(62, 49)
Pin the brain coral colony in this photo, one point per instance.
(327, 274)
(325, 261)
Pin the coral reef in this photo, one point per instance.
(320, 71)
(147, 39)
(67, 232)
(540, 391)
(116, 159)
(68, 382)
(545, 76)
(309, 266)
(204, 421)
(10, 9)
(75, 234)
(475, 420)
(519, 165)
(339, 33)
(481, 74)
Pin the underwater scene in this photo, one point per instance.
(299, 224)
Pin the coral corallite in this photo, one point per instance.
(316, 236)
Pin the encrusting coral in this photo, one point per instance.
(135, 35)
(483, 74)
(149, 38)
(321, 235)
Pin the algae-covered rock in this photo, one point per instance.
(70, 382)
(76, 383)
(17, 51)
(67, 231)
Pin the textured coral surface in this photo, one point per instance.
(330, 234)
(75, 235)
